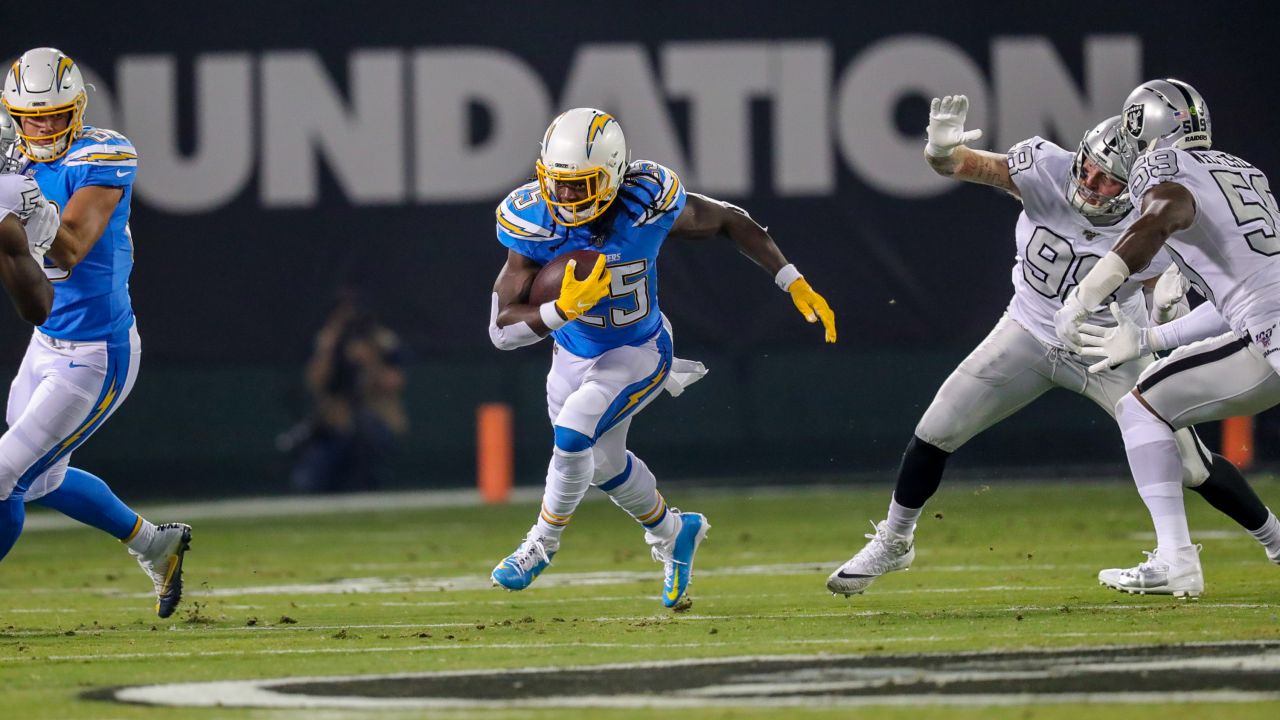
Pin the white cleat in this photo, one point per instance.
(887, 551)
(162, 562)
(1179, 576)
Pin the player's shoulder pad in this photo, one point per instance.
(1032, 153)
(19, 195)
(100, 146)
(1155, 167)
(523, 216)
(651, 191)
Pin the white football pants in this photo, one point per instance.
(1212, 379)
(63, 392)
(1009, 369)
(598, 396)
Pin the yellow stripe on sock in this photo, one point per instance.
(655, 512)
(558, 520)
(137, 525)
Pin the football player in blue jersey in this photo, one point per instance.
(613, 351)
(82, 361)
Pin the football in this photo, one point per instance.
(546, 285)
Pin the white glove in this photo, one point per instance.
(41, 225)
(1115, 345)
(1067, 322)
(1169, 298)
(946, 125)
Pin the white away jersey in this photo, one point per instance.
(1057, 246)
(20, 196)
(1231, 253)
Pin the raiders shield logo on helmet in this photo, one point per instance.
(1133, 120)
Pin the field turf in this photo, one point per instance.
(1000, 566)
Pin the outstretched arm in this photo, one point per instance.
(704, 217)
(947, 154)
(975, 166)
(25, 281)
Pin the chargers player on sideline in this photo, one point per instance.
(1216, 215)
(1074, 207)
(613, 351)
(82, 361)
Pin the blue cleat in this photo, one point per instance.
(677, 559)
(522, 567)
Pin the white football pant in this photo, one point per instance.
(63, 392)
(1009, 369)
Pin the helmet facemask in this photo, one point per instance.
(8, 144)
(45, 83)
(1102, 150)
(44, 148)
(580, 168)
(593, 189)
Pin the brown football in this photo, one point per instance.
(546, 285)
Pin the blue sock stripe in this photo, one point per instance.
(618, 479)
(113, 384)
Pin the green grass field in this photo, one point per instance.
(1004, 566)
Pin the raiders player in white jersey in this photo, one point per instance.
(27, 228)
(1074, 208)
(1216, 215)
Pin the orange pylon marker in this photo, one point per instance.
(495, 452)
(1237, 441)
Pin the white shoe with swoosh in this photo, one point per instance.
(885, 552)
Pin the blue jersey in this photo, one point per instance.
(629, 235)
(91, 301)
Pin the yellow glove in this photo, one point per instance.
(813, 306)
(577, 297)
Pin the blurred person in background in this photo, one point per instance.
(83, 359)
(355, 382)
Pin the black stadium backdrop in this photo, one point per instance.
(289, 149)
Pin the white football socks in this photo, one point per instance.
(1269, 534)
(638, 495)
(568, 478)
(142, 536)
(1157, 471)
(902, 520)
